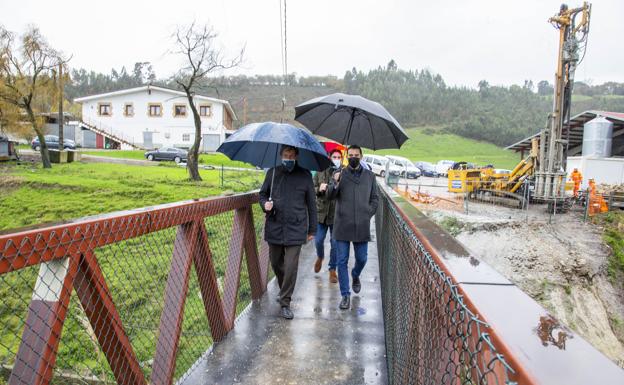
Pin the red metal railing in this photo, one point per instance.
(131, 273)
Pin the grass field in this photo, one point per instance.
(422, 145)
(31, 195)
(208, 159)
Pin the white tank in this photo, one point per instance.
(597, 138)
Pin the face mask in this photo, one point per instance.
(336, 163)
(354, 162)
(289, 164)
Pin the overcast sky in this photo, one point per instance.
(502, 41)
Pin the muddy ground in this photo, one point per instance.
(560, 261)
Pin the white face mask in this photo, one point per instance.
(336, 163)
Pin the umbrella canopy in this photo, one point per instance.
(331, 146)
(260, 143)
(351, 119)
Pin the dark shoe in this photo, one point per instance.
(333, 277)
(345, 303)
(357, 285)
(318, 264)
(286, 313)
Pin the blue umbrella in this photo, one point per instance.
(260, 143)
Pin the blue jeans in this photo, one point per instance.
(319, 240)
(361, 256)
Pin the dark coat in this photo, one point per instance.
(294, 209)
(325, 207)
(356, 203)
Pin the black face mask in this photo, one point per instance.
(354, 162)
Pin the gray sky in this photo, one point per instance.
(503, 41)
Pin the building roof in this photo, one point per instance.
(157, 88)
(574, 128)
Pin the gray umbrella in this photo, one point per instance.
(351, 119)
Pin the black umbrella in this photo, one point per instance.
(351, 119)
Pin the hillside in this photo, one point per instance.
(431, 145)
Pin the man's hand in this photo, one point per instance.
(268, 206)
(337, 176)
(310, 237)
(323, 187)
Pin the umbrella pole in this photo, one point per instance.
(273, 176)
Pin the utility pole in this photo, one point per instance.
(60, 114)
(244, 110)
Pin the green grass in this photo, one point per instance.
(208, 159)
(32, 195)
(613, 222)
(431, 145)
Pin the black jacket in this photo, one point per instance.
(356, 203)
(294, 206)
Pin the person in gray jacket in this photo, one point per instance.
(287, 197)
(355, 192)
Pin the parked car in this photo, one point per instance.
(408, 169)
(377, 164)
(443, 166)
(52, 141)
(168, 153)
(427, 169)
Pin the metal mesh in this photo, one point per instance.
(134, 297)
(432, 337)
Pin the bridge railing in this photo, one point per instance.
(451, 319)
(135, 297)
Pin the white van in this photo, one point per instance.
(377, 164)
(408, 169)
(443, 166)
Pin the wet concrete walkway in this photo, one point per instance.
(321, 345)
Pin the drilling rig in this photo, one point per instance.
(551, 175)
(546, 163)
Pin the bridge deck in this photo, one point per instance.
(321, 345)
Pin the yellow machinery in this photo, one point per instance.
(485, 184)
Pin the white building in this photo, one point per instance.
(151, 117)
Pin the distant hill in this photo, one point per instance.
(498, 114)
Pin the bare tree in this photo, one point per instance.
(202, 56)
(25, 74)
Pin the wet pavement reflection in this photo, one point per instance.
(321, 345)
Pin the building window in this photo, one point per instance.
(186, 137)
(154, 109)
(205, 110)
(128, 109)
(179, 110)
(105, 109)
(167, 135)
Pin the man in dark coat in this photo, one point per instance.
(355, 191)
(325, 208)
(290, 220)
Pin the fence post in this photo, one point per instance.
(586, 205)
(222, 175)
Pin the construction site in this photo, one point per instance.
(542, 224)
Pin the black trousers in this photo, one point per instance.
(285, 263)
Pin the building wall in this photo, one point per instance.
(166, 129)
(602, 170)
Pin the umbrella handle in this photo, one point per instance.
(271, 193)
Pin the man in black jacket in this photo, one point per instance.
(290, 209)
(355, 191)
